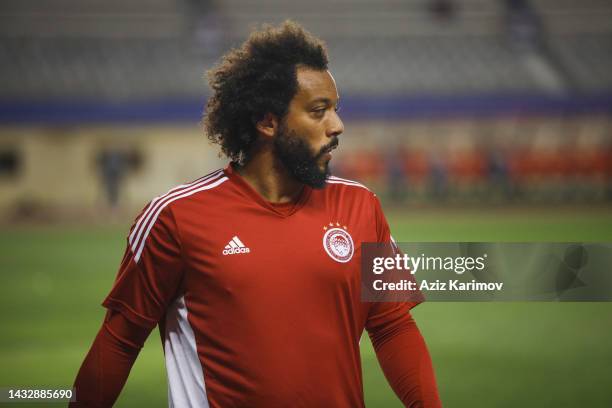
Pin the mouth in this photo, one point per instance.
(328, 148)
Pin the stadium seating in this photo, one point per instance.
(139, 50)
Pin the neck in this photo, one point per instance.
(269, 178)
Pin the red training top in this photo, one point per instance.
(258, 304)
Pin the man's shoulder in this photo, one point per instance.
(197, 189)
(160, 214)
(336, 184)
(207, 183)
(346, 193)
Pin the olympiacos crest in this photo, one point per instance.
(338, 243)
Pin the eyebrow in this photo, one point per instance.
(324, 100)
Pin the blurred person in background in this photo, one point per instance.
(396, 175)
(112, 165)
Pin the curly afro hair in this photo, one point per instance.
(256, 79)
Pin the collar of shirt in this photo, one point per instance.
(281, 209)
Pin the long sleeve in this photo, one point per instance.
(399, 345)
(403, 355)
(108, 363)
(148, 279)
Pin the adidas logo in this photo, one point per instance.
(235, 246)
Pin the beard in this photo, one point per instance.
(296, 155)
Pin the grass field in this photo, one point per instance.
(485, 354)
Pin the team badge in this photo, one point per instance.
(338, 243)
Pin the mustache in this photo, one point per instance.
(329, 147)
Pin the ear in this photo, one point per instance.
(267, 125)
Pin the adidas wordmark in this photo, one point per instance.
(235, 246)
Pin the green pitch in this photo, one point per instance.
(485, 354)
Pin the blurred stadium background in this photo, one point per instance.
(472, 119)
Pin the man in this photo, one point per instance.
(252, 272)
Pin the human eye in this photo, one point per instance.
(319, 112)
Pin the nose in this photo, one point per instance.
(336, 127)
